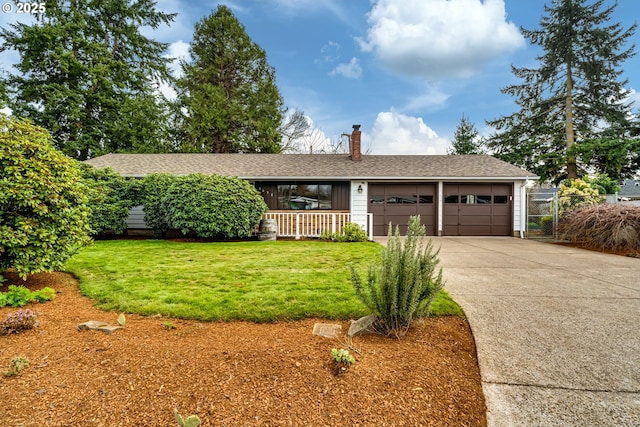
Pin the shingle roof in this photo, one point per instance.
(630, 188)
(313, 166)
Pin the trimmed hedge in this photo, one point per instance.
(154, 188)
(213, 206)
(110, 198)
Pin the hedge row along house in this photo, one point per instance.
(455, 195)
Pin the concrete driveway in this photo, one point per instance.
(557, 329)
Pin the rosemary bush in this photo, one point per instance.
(405, 283)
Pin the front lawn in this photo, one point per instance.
(256, 281)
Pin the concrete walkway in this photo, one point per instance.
(557, 329)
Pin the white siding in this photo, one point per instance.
(359, 203)
(519, 207)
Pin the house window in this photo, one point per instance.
(470, 199)
(452, 198)
(500, 200)
(401, 200)
(304, 196)
(425, 199)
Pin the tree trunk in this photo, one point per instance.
(572, 170)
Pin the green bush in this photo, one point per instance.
(603, 184)
(546, 224)
(213, 206)
(44, 217)
(19, 296)
(351, 232)
(43, 295)
(576, 193)
(154, 187)
(405, 283)
(111, 197)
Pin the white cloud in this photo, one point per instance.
(330, 52)
(431, 98)
(179, 51)
(350, 70)
(395, 133)
(439, 38)
(634, 97)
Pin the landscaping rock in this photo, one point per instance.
(96, 325)
(327, 330)
(363, 325)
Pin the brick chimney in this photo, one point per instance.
(356, 154)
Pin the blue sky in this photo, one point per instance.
(406, 70)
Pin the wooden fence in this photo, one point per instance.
(312, 224)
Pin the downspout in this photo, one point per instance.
(523, 208)
(440, 207)
(524, 205)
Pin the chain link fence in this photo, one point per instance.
(545, 208)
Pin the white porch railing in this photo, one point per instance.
(312, 224)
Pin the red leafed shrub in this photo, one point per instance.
(605, 227)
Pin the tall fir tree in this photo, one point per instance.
(575, 95)
(88, 75)
(228, 96)
(466, 139)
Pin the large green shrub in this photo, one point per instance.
(402, 287)
(603, 184)
(576, 193)
(44, 217)
(213, 206)
(153, 189)
(111, 197)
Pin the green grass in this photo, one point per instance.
(256, 281)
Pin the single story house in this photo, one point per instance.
(630, 190)
(455, 195)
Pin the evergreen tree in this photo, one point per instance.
(227, 94)
(466, 139)
(85, 70)
(574, 95)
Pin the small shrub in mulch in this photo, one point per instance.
(21, 320)
(614, 227)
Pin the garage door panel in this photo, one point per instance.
(478, 209)
(475, 210)
(466, 230)
(396, 202)
(401, 209)
(475, 220)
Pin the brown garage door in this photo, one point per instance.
(395, 203)
(477, 210)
